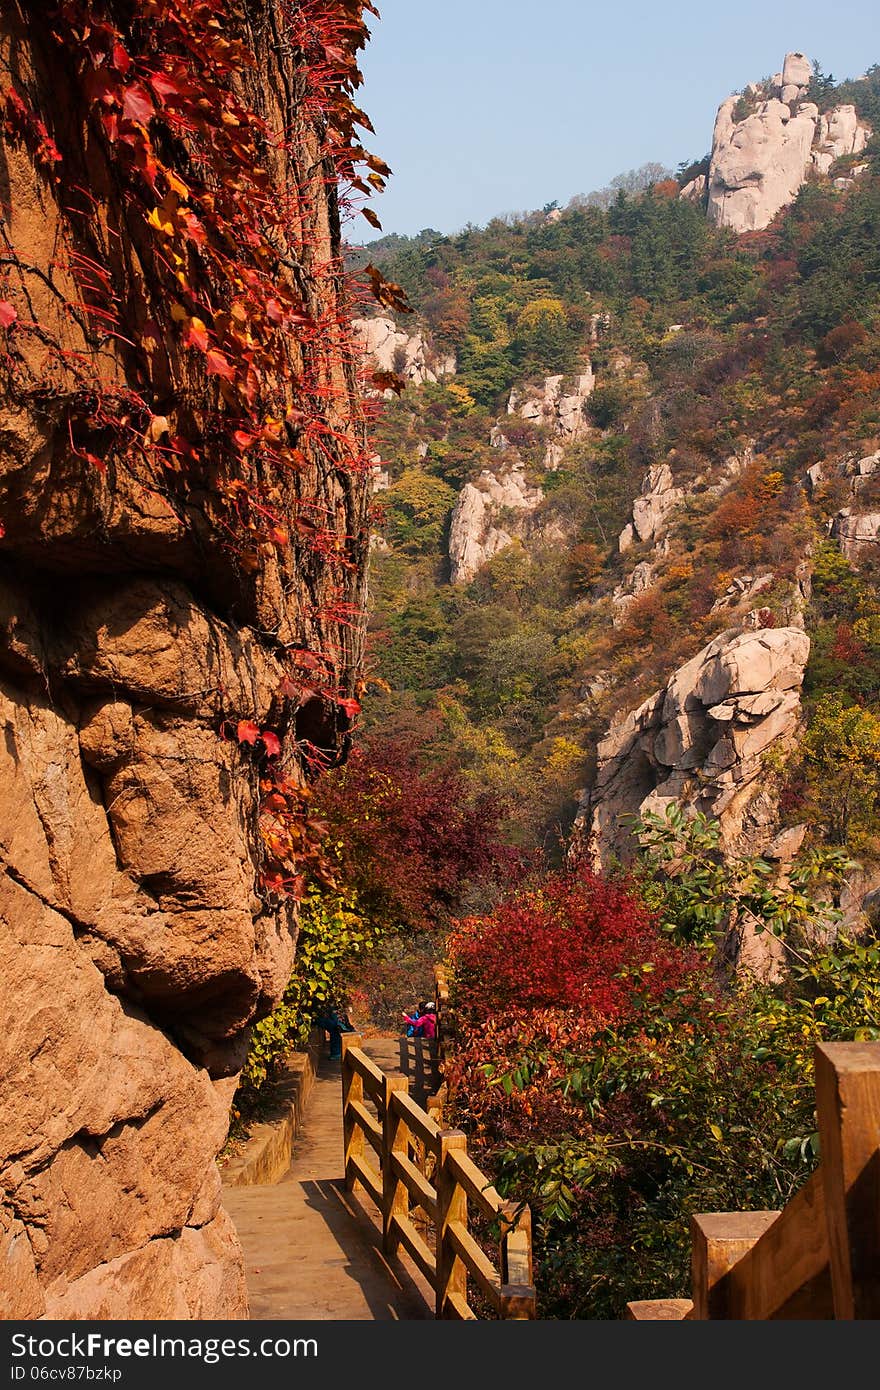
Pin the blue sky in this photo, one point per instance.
(484, 107)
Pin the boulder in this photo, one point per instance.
(758, 164)
(759, 161)
(652, 508)
(857, 534)
(797, 70)
(557, 404)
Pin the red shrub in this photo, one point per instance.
(409, 837)
(564, 945)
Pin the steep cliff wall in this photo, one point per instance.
(183, 502)
(767, 142)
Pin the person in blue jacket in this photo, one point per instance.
(335, 1022)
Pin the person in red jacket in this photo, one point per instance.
(425, 1024)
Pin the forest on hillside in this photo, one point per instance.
(613, 1065)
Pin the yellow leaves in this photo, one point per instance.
(176, 185)
(544, 310)
(162, 221)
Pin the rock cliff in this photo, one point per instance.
(702, 740)
(387, 348)
(158, 576)
(558, 408)
(765, 144)
(489, 515)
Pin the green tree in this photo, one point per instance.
(842, 756)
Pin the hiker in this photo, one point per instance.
(412, 1018)
(424, 1025)
(335, 1022)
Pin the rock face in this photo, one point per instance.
(387, 348)
(487, 518)
(138, 939)
(760, 159)
(559, 408)
(856, 526)
(652, 508)
(701, 740)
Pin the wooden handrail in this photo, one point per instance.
(820, 1256)
(401, 1188)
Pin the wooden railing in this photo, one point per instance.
(422, 1183)
(820, 1256)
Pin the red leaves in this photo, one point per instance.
(137, 104)
(8, 314)
(248, 732)
(349, 707)
(218, 365)
(120, 59)
(564, 945)
(164, 87)
(196, 335)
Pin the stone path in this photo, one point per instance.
(312, 1249)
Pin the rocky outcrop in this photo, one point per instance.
(761, 157)
(143, 614)
(856, 526)
(489, 515)
(652, 508)
(557, 406)
(701, 740)
(638, 582)
(387, 348)
(857, 533)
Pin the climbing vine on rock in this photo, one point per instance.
(190, 338)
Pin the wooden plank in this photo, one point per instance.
(362, 1172)
(426, 1130)
(418, 1186)
(718, 1241)
(785, 1274)
(516, 1245)
(368, 1123)
(417, 1249)
(477, 1186)
(451, 1209)
(848, 1111)
(477, 1263)
(459, 1309)
(659, 1309)
(366, 1069)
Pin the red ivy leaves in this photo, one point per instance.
(250, 733)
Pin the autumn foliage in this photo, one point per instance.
(563, 945)
(408, 837)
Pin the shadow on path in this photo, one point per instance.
(312, 1249)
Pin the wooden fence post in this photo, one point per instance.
(395, 1140)
(719, 1239)
(352, 1089)
(517, 1287)
(451, 1207)
(848, 1111)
